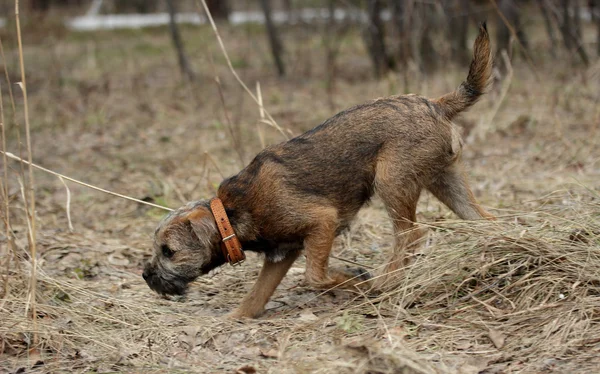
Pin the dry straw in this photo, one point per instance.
(31, 220)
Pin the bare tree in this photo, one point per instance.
(288, 6)
(39, 5)
(276, 46)
(427, 52)
(401, 12)
(219, 9)
(429, 17)
(570, 31)
(509, 18)
(595, 9)
(184, 65)
(458, 23)
(44, 5)
(138, 6)
(549, 26)
(374, 38)
(333, 35)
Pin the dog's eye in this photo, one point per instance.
(166, 251)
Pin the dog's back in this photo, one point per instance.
(407, 140)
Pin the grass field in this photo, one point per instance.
(521, 294)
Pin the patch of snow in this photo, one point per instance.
(93, 21)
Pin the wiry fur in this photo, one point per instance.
(302, 193)
(477, 81)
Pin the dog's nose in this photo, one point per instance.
(146, 274)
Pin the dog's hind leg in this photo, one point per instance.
(317, 247)
(269, 278)
(406, 236)
(400, 194)
(452, 189)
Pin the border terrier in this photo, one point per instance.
(299, 195)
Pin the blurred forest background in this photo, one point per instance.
(139, 97)
(396, 32)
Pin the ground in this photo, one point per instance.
(521, 294)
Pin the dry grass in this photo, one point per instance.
(518, 295)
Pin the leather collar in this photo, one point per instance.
(230, 244)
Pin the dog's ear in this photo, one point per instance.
(203, 224)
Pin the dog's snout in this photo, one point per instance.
(147, 272)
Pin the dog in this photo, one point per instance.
(297, 196)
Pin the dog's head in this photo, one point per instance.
(186, 245)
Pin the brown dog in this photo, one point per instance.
(299, 195)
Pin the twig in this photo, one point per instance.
(514, 35)
(184, 65)
(261, 112)
(178, 192)
(484, 126)
(31, 294)
(6, 215)
(351, 262)
(68, 204)
(208, 156)
(235, 74)
(62, 177)
(12, 103)
(5, 189)
(11, 156)
(31, 212)
(235, 136)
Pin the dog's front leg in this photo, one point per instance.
(269, 278)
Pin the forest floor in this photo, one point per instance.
(521, 294)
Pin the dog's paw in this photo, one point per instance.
(237, 315)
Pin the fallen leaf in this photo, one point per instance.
(463, 344)
(579, 235)
(497, 338)
(307, 316)
(246, 369)
(474, 365)
(187, 337)
(269, 353)
(118, 259)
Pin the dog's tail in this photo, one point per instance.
(477, 81)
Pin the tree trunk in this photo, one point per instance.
(568, 29)
(374, 38)
(219, 9)
(44, 5)
(276, 47)
(577, 21)
(331, 52)
(458, 27)
(289, 10)
(596, 15)
(39, 5)
(565, 25)
(549, 27)
(138, 6)
(401, 12)
(184, 65)
(510, 11)
(428, 54)
(427, 51)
